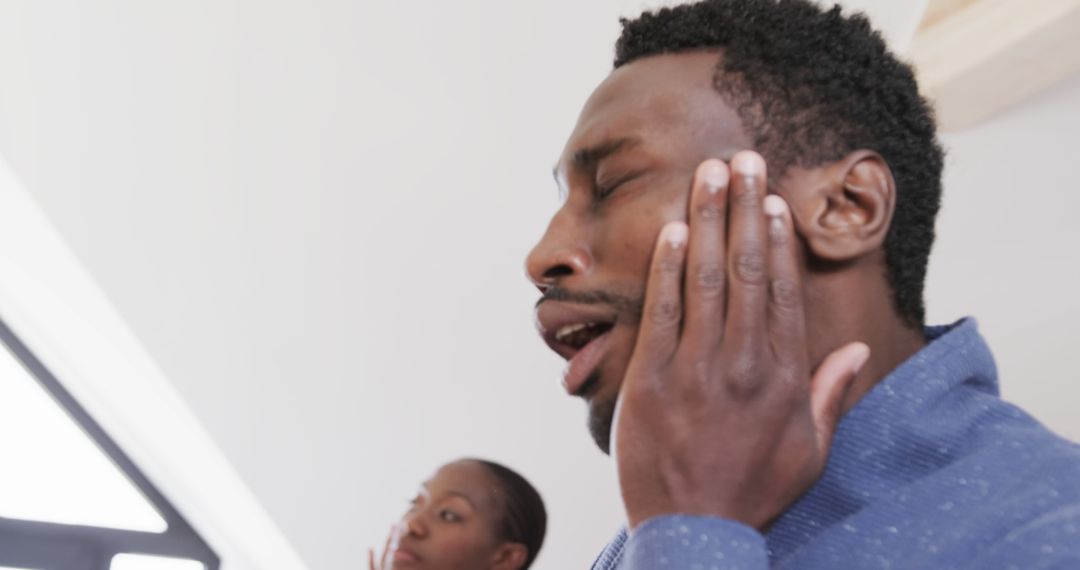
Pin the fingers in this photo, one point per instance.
(705, 267)
(829, 385)
(748, 265)
(386, 548)
(787, 326)
(371, 559)
(662, 314)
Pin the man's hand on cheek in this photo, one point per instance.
(719, 413)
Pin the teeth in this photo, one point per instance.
(568, 330)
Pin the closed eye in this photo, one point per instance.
(605, 188)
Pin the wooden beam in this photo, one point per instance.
(975, 58)
(938, 10)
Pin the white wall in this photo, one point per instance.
(315, 215)
(1007, 249)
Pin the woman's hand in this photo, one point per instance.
(382, 562)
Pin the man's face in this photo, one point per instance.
(626, 171)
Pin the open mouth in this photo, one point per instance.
(584, 345)
(580, 334)
(577, 335)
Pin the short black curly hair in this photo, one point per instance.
(812, 85)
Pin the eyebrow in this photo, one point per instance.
(463, 496)
(588, 157)
(454, 493)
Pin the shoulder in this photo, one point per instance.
(1014, 502)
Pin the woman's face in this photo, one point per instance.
(452, 523)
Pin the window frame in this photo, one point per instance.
(55, 546)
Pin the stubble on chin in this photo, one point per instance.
(601, 416)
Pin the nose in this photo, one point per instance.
(413, 525)
(560, 255)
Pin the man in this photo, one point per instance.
(760, 371)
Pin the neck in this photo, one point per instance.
(856, 304)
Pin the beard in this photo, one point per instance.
(601, 418)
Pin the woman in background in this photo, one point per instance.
(471, 515)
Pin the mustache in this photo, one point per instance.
(630, 306)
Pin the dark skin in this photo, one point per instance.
(744, 328)
(452, 524)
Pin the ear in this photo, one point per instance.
(509, 556)
(843, 209)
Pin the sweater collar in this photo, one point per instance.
(896, 433)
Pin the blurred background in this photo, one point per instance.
(314, 216)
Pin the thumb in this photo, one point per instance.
(829, 385)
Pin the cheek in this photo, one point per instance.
(627, 237)
(460, 548)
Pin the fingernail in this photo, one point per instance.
(715, 175)
(748, 163)
(774, 205)
(861, 359)
(675, 234)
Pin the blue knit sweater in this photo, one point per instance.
(930, 470)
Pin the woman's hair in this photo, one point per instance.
(524, 519)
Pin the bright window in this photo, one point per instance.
(69, 496)
(140, 562)
(54, 472)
